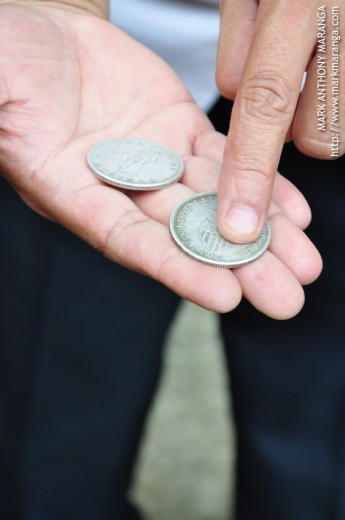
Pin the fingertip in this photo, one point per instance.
(224, 301)
(290, 201)
(227, 82)
(271, 287)
(299, 212)
(221, 291)
(286, 300)
(240, 224)
(310, 268)
(295, 250)
(244, 193)
(291, 308)
(215, 289)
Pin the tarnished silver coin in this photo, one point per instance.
(135, 164)
(193, 225)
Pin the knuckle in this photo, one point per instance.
(247, 163)
(253, 175)
(120, 234)
(268, 97)
(318, 148)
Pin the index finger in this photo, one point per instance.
(263, 110)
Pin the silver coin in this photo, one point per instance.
(135, 164)
(193, 225)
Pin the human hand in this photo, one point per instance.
(264, 49)
(69, 80)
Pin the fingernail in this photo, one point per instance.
(242, 220)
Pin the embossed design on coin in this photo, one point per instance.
(193, 225)
(209, 234)
(135, 164)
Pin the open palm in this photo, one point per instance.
(70, 80)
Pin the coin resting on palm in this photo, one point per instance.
(135, 164)
(193, 225)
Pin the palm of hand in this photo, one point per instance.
(69, 81)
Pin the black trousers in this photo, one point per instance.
(80, 355)
(288, 378)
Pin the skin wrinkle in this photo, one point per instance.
(121, 227)
(167, 115)
(271, 58)
(166, 265)
(267, 98)
(206, 146)
(99, 8)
